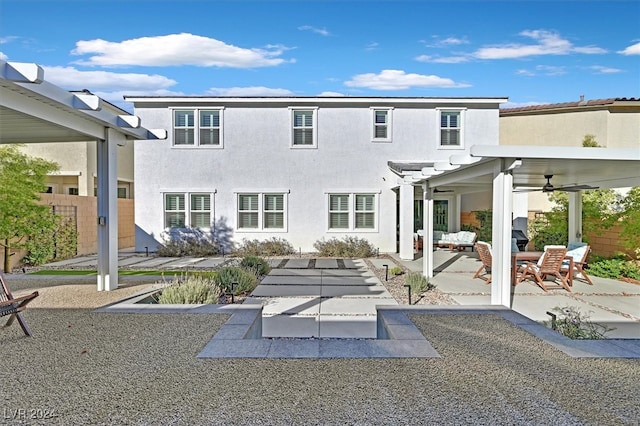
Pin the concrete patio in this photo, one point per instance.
(613, 303)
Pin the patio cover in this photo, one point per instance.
(33, 110)
(503, 168)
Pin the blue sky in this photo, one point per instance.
(532, 52)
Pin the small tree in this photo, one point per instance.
(590, 141)
(22, 178)
(630, 219)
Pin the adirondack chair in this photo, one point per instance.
(12, 306)
(579, 252)
(550, 264)
(484, 251)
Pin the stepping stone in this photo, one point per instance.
(286, 291)
(154, 262)
(212, 262)
(184, 262)
(326, 264)
(132, 260)
(356, 291)
(284, 280)
(297, 263)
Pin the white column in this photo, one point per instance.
(575, 217)
(406, 221)
(427, 243)
(108, 210)
(501, 236)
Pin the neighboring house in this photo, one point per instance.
(301, 168)
(77, 174)
(611, 123)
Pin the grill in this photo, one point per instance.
(521, 239)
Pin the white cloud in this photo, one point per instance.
(599, 69)
(438, 42)
(400, 80)
(372, 46)
(3, 57)
(331, 94)
(442, 59)
(634, 49)
(546, 43)
(321, 31)
(8, 39)
(548, 70)
(174, 50)
(248, 91)
(74, 79)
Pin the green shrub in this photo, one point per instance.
(396, 270)
(192, 290)
(570, 322)
(347, 247)
(256, 265)
(418, 282)
(246, 281)
(188, 242)
(271, 247)
(615, 269)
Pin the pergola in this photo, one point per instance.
(33, 110)
(503, 168)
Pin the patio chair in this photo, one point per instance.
(12, 306)
(484, 251)
(579, 252)
(550, 264)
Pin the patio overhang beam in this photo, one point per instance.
(24, 90)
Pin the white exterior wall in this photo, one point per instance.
(257, 157)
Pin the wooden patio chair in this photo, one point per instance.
(484, 251)
(550, 264)
(12, 306)
(579, 252)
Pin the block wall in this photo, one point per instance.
(87, 213)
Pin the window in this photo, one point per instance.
(210, 127)
(303, 128)
(381, 124)
(206, 131)
(365, 211)
(339, 211)
(248, 211)
(352, 211)
(122, 192)
(200, 210)
(187, 210)
(274, 211)
(262, 211)
(451, 129)
(174, 211)
(72, 190)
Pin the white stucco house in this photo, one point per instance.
(304, 168)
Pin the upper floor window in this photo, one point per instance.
(183, 210)
(352, 211)
(304, 129)
(381, 124)
(261, 211)
(205, 131)
(451, 131)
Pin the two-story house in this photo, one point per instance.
(301, 168)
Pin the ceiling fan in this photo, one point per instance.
(548, 187)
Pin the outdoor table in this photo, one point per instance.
(528, 256)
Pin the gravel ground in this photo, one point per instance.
(85, 368)
(395, 286)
